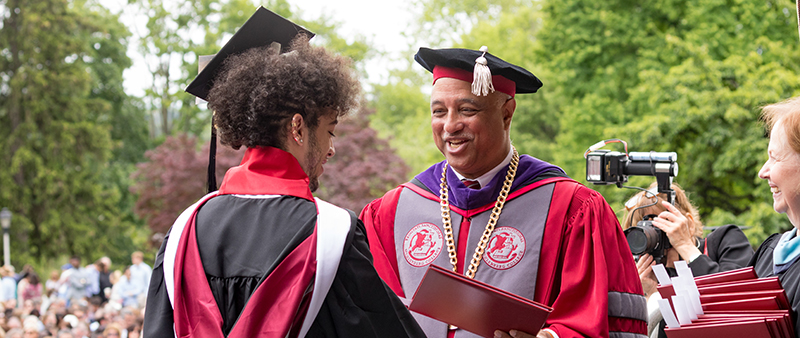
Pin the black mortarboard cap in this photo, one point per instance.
(261, 29)
(465, 59)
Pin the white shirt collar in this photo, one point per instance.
(486, 178)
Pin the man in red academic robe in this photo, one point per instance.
(512, 221)
(262, 257)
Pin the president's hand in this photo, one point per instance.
(520, 334)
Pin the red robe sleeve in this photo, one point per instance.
(378, 218)
(587, 273)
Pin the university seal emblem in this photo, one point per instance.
(422, 244)
(505, 249)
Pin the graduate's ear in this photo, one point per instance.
(297, 129)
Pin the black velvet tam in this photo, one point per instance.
(465, 59)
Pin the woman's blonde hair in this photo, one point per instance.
(644, 198)
(787, 112)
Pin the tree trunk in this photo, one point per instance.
(164, 71)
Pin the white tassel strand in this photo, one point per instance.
(482, 76)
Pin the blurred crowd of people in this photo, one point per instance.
(79, 301)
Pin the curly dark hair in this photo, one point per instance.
(258, 90)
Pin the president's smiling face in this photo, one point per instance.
(472, 132)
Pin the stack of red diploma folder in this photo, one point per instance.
(475, 306)
(737, 303)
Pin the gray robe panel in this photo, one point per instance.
(511, 258)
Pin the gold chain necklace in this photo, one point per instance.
(498, 207)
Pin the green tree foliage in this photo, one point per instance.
(403, 115)
(684, 76)
(452, 20)
(60, 96)
(326, 29)
(177, 33)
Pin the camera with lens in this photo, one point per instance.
(645, 238)
(611, 167)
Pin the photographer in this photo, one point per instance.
(726, 248)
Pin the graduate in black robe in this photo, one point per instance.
(261, 257)
(241, 240)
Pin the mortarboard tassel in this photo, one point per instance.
(212, 158)
(211, 179)
(482, 76)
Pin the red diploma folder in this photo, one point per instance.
(779, 295)
(727, 276)
(746, 273)
(757, 328)
(781, 318)
(475, 306)
(737, 304)
(762, 303)
(760, 284)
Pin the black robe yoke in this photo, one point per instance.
(241, 241)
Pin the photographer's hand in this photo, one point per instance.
(680, 231)
(646, 275)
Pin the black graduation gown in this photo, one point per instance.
(242, 240)
(790, 279)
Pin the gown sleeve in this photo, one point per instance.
(158, 321)
(378, 218)
(595, 284)
(359, 303)
(728, 249)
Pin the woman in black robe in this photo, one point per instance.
(779, 253)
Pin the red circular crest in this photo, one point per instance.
(505, 248)
(422, 244)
